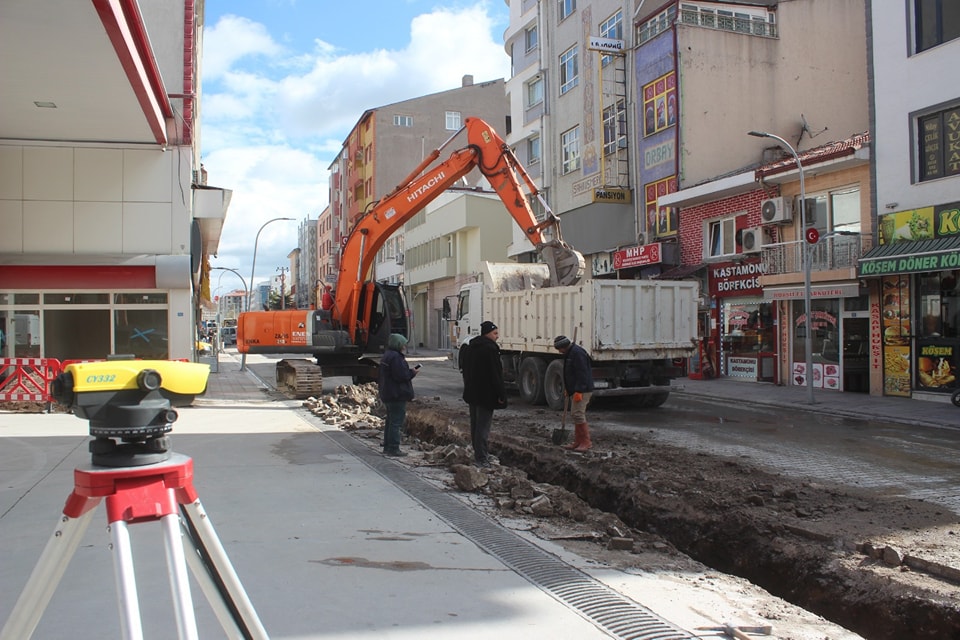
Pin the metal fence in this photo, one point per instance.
(832, 252)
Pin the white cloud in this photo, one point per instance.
(274, 120)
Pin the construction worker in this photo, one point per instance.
(578, 387)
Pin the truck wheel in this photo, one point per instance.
(530, 380)
(656, 399)
(553, 385)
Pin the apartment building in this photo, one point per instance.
(389, 142)
(105, 214)
(914, 271)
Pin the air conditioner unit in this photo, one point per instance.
(399, 258)
(751, 240)
(776, 211)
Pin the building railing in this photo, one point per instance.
(710, 20)
(832, 252)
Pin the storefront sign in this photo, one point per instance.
(911, 264)
(736, 278)
(606, 45)
(742, 367)
(925, 223)
(637, 256)
(850, 290)
(659, 154)
(616, 196)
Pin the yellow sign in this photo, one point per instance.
(618, 196)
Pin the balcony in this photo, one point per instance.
(841, 251)
(709, 19)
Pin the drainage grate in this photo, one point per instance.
(620, 616)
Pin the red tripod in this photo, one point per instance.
(162, 491)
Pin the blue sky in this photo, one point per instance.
(284, 81)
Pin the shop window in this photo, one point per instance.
(20, 332)
(824, 327)
(141, 332)
(939, 305)
(76, 298)
(77, 334)
(747, 332)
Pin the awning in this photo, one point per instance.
(683, 271)
(911, 257)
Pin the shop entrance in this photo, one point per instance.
(856, 356)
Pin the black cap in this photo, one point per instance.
(561, 342)
(486, 327)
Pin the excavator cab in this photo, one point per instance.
(385, 307)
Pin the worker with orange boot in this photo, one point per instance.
(578, 386)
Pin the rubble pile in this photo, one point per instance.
(349, 407)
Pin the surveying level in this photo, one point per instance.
(130, 401)
(128, 404)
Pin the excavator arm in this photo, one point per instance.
(485, 151)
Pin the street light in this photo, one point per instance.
(808, 338)
(234, 271)
(254, 265)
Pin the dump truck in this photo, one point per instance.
(633, 330)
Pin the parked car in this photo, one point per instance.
(228, 335)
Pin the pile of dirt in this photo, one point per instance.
(883, 567)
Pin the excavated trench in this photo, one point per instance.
(714, 521)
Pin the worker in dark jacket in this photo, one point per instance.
(396, 389)
(578, 386)
(483, 387)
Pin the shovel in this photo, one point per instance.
(560, 435)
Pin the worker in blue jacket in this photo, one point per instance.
(396, 389)
(578, 387)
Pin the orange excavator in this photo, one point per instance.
(363, 313)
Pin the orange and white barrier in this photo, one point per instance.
(27, 379)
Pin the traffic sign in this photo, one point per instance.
(812, 235)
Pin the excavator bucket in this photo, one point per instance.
(566, 264)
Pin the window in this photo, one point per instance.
(535, 92)
(615, 127)
(611, 28)
(533, 150)
(939, 144)
(453, 120)
(566, 7)
(403, 121)
(569, 73)
(531, 38)
(570, 148)
(722, 238)
(660, 104)
(936, 22)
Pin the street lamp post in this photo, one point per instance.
(808, 337)
(254, 265)
(237, 273)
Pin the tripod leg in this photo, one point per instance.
(46, 577)
(211, 590)
(126, 581)
(222, 572)
(179, 583)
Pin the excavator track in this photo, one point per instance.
(299, 378)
